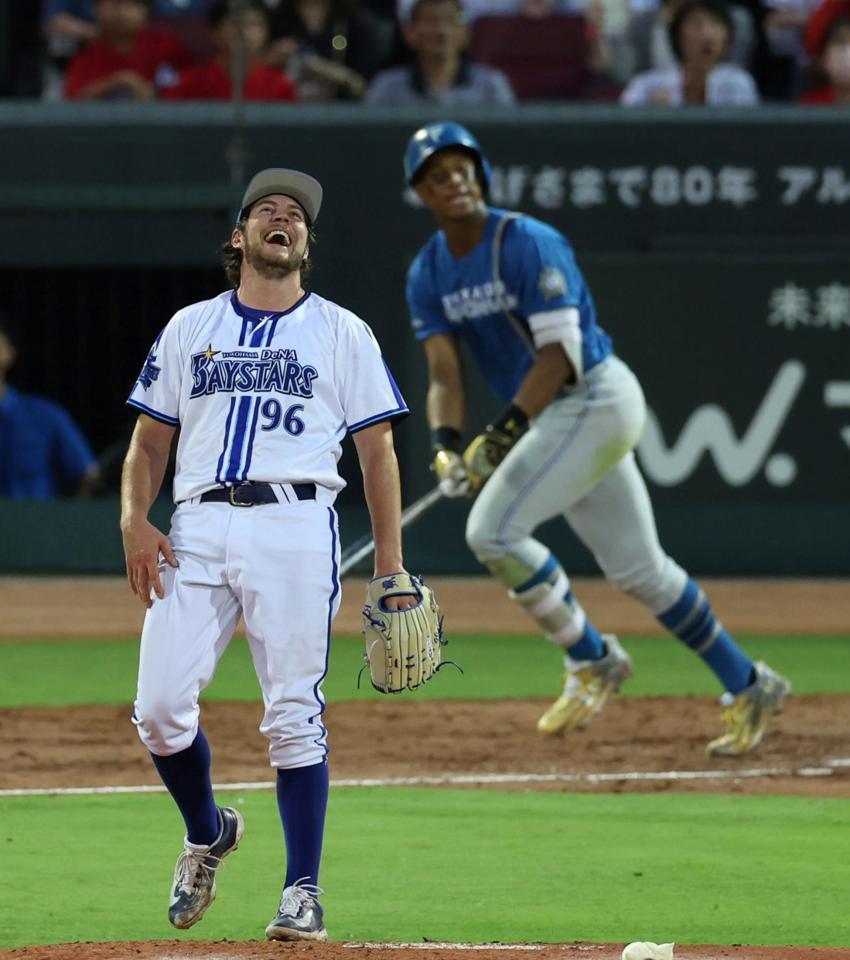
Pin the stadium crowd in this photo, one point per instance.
(448, 52)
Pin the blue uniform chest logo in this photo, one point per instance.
(256, 371)
(150, 371)
(480, 300)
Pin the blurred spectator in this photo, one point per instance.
(187, 20)
(331, 47)
(610, 50)
(819, 23)
(834, 63)
(128, 60)
(500, 8)
(437, 35)
(784, 24)
(544, 58)
(43, 454)
(213, 80)
(701, 32)
(178, 8)
(69, 24)
(649, 34)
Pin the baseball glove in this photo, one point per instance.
(403, 647)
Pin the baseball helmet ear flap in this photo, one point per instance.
(438, 136)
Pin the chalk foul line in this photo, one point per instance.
(825, 768)
(437, 945)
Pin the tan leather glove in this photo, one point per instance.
(403, 647)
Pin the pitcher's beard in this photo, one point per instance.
(273, 268)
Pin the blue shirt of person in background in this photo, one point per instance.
(43, 453)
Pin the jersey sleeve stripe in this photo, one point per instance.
(396, 392)
(398, 414)
(162, 417)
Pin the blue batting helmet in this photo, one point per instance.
(437, 136)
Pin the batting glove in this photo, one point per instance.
(489, 449)
(452, 478)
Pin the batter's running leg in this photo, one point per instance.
(616, 522)
(594, 665)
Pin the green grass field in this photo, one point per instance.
(508, 866)
(104, 671)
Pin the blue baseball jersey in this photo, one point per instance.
(41, 448)
(472, 297)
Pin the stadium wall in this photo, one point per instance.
(715, 243)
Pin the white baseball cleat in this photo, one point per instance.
(300, 915)
(194, 876)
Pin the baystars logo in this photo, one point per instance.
(250, 371)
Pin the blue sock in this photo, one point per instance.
(590, 645)
(302, 798)
(187, 777)
(692, 620)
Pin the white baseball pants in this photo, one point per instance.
(576, 461)
(276, 564)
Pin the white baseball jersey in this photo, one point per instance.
(265, 397)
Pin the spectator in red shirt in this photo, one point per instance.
(128, 60)
(834, 63)
(819, 22)
(213, 80)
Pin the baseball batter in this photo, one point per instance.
(509, 287)
(263, 381)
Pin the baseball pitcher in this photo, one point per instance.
(263, 382)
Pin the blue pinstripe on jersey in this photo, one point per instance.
(261, 337)
(218, 477)
(251, 436)
(258, 330)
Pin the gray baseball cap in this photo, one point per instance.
(291, 183)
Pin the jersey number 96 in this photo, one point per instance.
(272, 410)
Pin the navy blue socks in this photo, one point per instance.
(187, 777)
(692, 620)
(302, 798)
